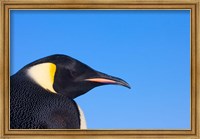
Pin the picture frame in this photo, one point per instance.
(100, 4)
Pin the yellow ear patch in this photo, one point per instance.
(52, 68)
(43, 74)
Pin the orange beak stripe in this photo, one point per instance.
(100, 80)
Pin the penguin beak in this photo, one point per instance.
(107, 79)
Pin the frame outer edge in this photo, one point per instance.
(104, 1)
(2, 73)
(1, 70)
(198, 68)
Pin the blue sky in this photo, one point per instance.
(150, 49)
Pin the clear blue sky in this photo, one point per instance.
(148, 49)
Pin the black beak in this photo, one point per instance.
(107, 79)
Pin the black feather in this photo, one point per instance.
(32, 107)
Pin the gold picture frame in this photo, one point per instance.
(6, 5)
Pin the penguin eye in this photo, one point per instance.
(73, 73)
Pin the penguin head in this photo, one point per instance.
(67, 76)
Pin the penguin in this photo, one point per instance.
(42, 93)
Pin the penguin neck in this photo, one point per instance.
(19, 80)
(73, 94)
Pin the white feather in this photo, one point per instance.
(82, 119)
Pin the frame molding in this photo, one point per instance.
(6, 5)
